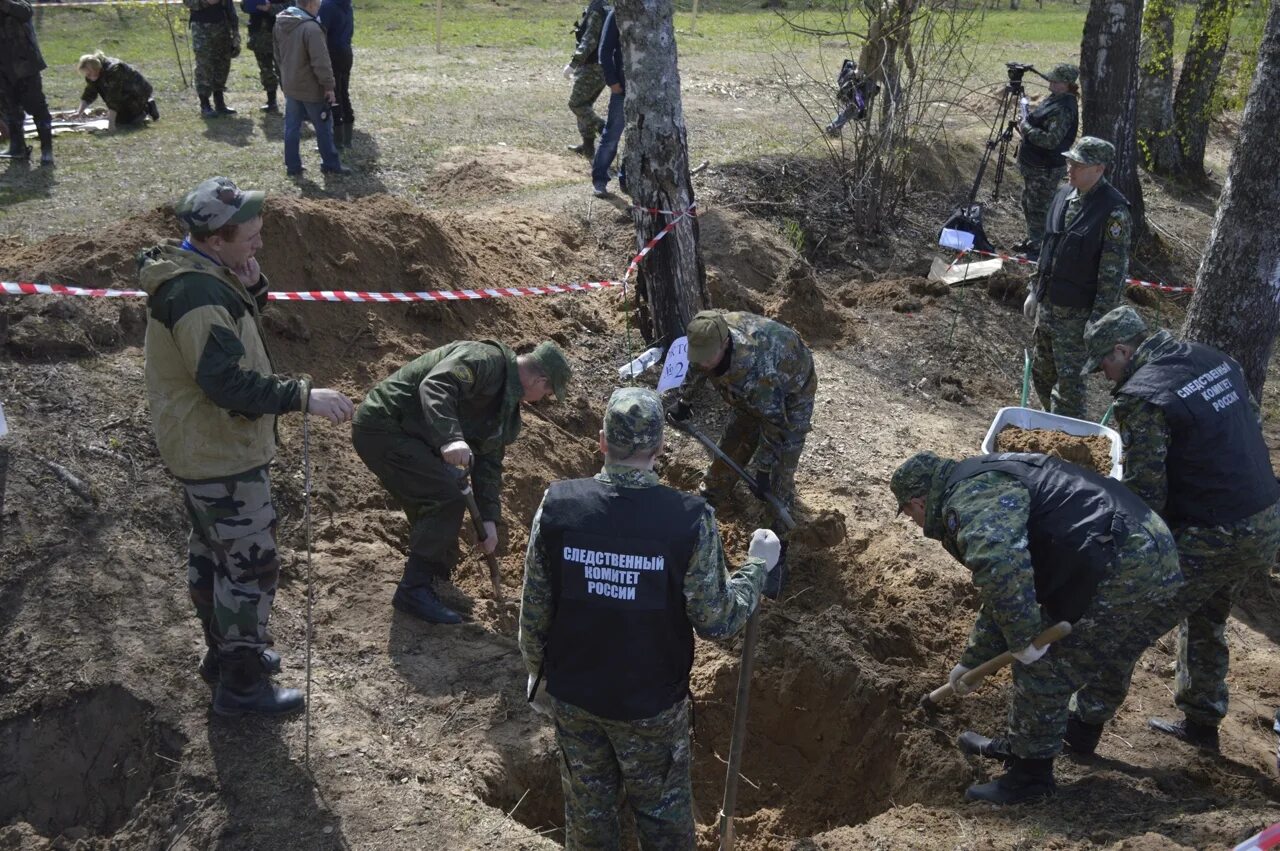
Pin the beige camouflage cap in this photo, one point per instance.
(707, 332)
(217, 202)
(1063, 72)
(1090, 150)
(914, 477)
(633, 421)
(1117, 326)
(553, 363)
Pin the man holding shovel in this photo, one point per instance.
(1046, 541)
(619, 573)
(455, 408)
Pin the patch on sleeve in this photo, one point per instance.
(1115, 230)
(951, 520)
(463, 373)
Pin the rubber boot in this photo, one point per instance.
(1203, 736)
(153, 110)
(245, 689)
(220, 105)
(206, 109)
(45, 132)
(1026, 780)
(272, 105)
(976, 744)
(18, 148)
(1080, 737)
(587, 148)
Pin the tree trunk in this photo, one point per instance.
(1193, 105)
(657, 165)
(1108, 80)
(1157, 144)
(1236, 305)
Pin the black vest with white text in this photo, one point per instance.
(620, 645)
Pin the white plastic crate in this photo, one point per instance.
(1031, 418)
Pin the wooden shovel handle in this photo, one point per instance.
(1057, 632)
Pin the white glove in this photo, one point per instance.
(765, 546)
(1029, 306)
(568, 71)
(1030, 653)
(457, 453)
(539, 704)
(959, 686)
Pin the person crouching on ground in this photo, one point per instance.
(306, 77)
(122, 88)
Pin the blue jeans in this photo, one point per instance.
(607, 147)
(320, 115)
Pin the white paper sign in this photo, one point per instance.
(957, 240)
(676, 366)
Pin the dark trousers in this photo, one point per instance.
(342, 112)
(22, 96)
(607, 148)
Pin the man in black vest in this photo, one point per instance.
(1194, 452)
(1047, 541)
(1084, 260)
(1047, 133)
(619, 573)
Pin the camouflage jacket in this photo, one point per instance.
(769, 365)
(121, 86)
(588, 46)
(716, 603)
(1113, 265)
(1057, 111)
(463, 391)
(19, 49)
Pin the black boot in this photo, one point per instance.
(18, 148)
(206, 109)
(341, 139)
(1203, 736)
(976, 744)
(422, 602)
(1026, 780)
(45, 132)
(244, 688)
(153, 110)
(220, 105)
(1080, 737)
(272, 105)
(210, 666)
(587, 148)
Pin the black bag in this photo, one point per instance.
(968, 218)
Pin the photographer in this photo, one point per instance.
(1047, 132)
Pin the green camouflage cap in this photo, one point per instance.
(1090, 150)
(1064, 72)
(215, 203)
(633, 421)
(553, 363)
(1119, 325)
(707, 332)
(914, 477)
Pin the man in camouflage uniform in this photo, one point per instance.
(588, 78)
(1046, 541)
(214, 399)
(1084, 261)
(454, 409)
(1047, 132)
(215, 39)
(619, 573)
(262, 18)
(1194, 452)
(21, 88)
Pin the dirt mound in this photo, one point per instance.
(1093, 452)
(468, 182)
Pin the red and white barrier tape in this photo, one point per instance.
(648, 246)
(1133, 282)
(655, 211)
(358, 296)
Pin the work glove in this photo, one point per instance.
(760, 485)
(958, 685)
(1029, 306)
(457, 453)
(680, 411)
(538, 702)
(568, 71)
(766, 547)
(1030, 653)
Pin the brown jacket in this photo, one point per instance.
(302, 56)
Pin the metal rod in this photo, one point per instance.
(306, 493)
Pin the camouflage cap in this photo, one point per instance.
(1090, 150)
(633, 421)
(914, 477)
(707, 332)
(216, 202)
(1063, 72)
(554, 365)
(1101, 337)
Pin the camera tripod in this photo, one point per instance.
(1002, 130)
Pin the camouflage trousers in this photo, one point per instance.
(1058, 357)
(646, 761)
(213, 45)
(588, 83)
(232, 564)
(267, 73)
(1038, 188)
(426, 489)
(1144, 577)
(744, 441)
(1215, 562)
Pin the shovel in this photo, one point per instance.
(477, 523)
(930, 701)
(749, 639)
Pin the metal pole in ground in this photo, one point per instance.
(306, 513)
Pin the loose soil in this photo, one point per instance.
(1092, 452)
(420, 736)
